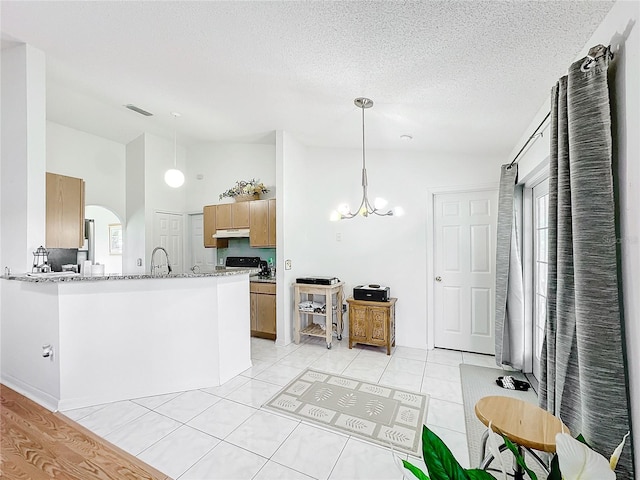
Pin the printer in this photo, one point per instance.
(373, 293)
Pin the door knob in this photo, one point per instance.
(438, 278)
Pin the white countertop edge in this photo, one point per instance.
(79, 278)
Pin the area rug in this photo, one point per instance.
(478, 382)
(388, 416)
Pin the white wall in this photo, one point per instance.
(158, 196)
(620, 30)
(221, 165)
(148, 157)
(289, 153)
(23, 156)
(27, 325)
(390, 251)
(98, 161)
(133, 231)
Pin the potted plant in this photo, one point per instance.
(574, 459)
(245, 190)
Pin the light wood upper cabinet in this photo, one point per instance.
(259, 216)
(209, 224)
(232, 215)
(64, 211)
(263, 223)
(272, 222)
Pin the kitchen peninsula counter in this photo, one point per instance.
(56, 278)
(120, 337)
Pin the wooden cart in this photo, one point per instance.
(309, 327)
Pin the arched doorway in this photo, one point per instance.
(106, 228)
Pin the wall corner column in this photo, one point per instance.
(23, 156)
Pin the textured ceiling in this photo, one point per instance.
(463, 77)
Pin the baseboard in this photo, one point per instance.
(41, 398)
(91, 400)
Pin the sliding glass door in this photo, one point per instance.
(540, 228)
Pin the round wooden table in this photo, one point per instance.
(525, 424)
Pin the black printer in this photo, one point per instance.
(318, 280)
(373, 293)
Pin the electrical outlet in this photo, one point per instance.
(287, 264)
(339, 237)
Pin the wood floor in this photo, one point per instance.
(38, 444)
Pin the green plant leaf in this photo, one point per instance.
(477, 474)
(519, 458)
(581, 439)
(420, 475)
(440, 462)
(554, 471)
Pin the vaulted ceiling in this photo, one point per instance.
(459, 76)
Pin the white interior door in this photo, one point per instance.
(169, 233)
(203, 258)
(464, 267)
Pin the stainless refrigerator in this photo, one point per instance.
(88, 250)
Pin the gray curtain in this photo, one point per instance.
(583, 369)
(509, 338)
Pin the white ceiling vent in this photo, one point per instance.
(139, 110)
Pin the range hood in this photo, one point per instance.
(232, 233)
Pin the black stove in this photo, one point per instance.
(242, 262)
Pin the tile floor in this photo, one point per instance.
(221, 432)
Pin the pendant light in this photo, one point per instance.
(174, 177)
(365, 209)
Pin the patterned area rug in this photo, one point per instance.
(384, 415)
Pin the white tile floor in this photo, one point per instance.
(221, 432)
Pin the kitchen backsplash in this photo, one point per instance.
(239, 247)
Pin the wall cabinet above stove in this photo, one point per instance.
(232, 215)
(258, 216)
(209, 224)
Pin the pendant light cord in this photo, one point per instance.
(175, 146)
(363, 160)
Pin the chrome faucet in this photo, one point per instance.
(153, 264)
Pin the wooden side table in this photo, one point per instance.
(526, 425)
(311, 328)
(372, 323)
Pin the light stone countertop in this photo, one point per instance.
(257, 279)
(53, 278)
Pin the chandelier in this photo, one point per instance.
(365, 209)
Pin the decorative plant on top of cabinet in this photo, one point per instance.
(247, 190)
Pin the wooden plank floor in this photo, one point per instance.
(39, 444)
